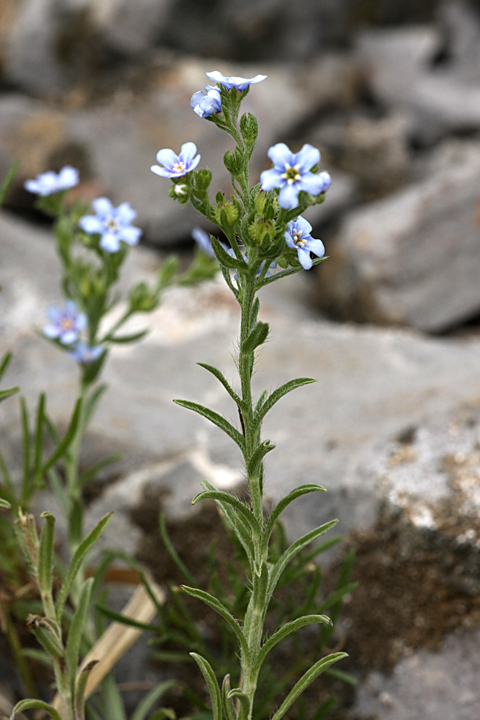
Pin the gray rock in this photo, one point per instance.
(129, 27)
(398, 66)
(431, 686)
(116, 143)
(412, 258)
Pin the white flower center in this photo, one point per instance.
(298, 240)
(292, 174)
(112, 225)
(179, 167)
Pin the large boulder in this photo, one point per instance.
(412, 258)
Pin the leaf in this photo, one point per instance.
(89, 474)
(285, 631)
(124, 620)
(220, 377)
(225, 260)
(76, 631)
(342, 675)
(170, 548)
(23, 705)
(227, 702)
(80, 688)
(245, 513)
(216, 605)
(76, 563)
(4, 504)
(255, 338)
(4, 394)
(8, 181)
(45, 559)
(150, 699)
(305, 681)
(278, 394)
(238, 528)
(91, 403)
(211, 681)
(284, 502)
(255, 461)
(293, 550)
(216, 419)
(127, 338)
(244, 702)
(65, 443)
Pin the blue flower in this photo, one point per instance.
(291, 174)
(238, 83)
(65, 325)
(298, 237)
(202, 238)
(175, 166)
(86, 355)
(50, 183)
(113, 224)
(208, 102)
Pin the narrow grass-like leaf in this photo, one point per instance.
(80, 687)
(26, 442)
(65, 443)
(232, 518)
(23, 705)
(244, 702)
(223, 257)
(286, 630)
(8, 181)
(256, 460)
(278, 394)
(38, 442)
(77, 561)
(45, 562)
(89, 474)
(216, 419)
(305, 681)
(227, 702)
(4, 394)
(76, 631)
(343, 676)
(126, 338)
(124, 620)
(284, 502)
(4, 504)
(150, 699)
(166, 714)
(216, 605)
(91, 403)
(221, 378)
(293, 550)
(38, 655)
(336, 596)
(245, 513)
(170, 548)
(212, 685)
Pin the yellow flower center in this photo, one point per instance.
(66, 324)
(292, 174)
(112, 225)
(297, 239)
(179, 167)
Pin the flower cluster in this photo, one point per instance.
(50, 183)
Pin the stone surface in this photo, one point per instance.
(431, 686)
(129, 27)
(127, 132)
(412, 258)
(400, 70)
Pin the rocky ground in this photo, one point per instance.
(392, 428)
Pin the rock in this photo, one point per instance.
(116, 143)
(431, 686)
(129, 27)
(399, 68)
(412, 258)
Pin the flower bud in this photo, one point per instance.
(249, 128)
(262, 231)
(260, 199)
(142, 298)
(226, 213)
(233, 162)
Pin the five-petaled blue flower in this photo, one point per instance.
(65, 325)
(291, 173)
(175, 166)
(239, 83)
(50, 183)
(113, 224)
(298, 237)
(86, 355)
(206, 103)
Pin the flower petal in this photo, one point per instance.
(125, 214)
(161, 171)
(103, 207)
(51, 331)
(288, 197)
(305, 259)
(68, 337)
(166, 157)
(316, 247)
(187, 152)
(281, 155)
(312, 184)
(303, 225)
(217, 76)
(110, 242)
(271, 179)
(91, 224)
(130, 235)
(307, 158)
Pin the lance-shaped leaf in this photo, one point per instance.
(255, 338)
(216, 419)
(278, 394)
(8, 181)
(305, 681)
(23, 705)
(221, 378)
(76, 631)
(80, 687)
(287, 630)
(293, 550)
(65, 443)
(4, 504)
(150, 699)
(239, 528)
(4, 394)
(47, 634)
(216, 605)
(224, 258)
(89, 474)
(227, 702)
(45, 562)
(212, 685)
(244, 702)
(244, 512)
(253, 465)
(284, 502)
(77, 561)
(133, 337)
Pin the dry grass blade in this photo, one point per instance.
(118, 638)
